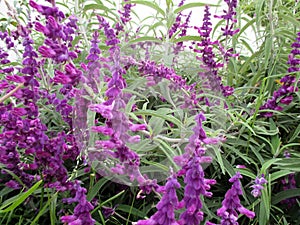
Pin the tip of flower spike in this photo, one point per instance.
(241, 167)
(246, 212)
(236, 177)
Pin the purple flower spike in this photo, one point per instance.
(82, 210)
(284, 95)
(289, 182)
(212, 80)
(165, 214)
(196, 185)
(229, 17)
(231, 204)
(258, 186)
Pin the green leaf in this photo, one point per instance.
(168, 151)
(279, 174)
(248, 173)
(4, 191)
(132, 210)
(267, 164)
(107, 201)
(288, 164)
(285, 195)
(156, 124)
(188, 38)
(95, 7)
(43, 210)
(291, 19)
(264, 211)
(52, 208)
(145, 38)
(192, 5)
(96, 188)
(165, 117)
(258, 10)
(217, 153)
(295, 134)
(246, 44)
(151, 5)
(15, 201)
(248, 24)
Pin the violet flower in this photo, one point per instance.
(7, 39)
(284, 95)
(117, 124)
(177, 24)
(155, 73)
(30, 63)
(288, 183)
(108, 211)
(196, 185)
(59, 37)
(258, 186)
(210, 75)
(231, 205)
(165, 214)
(24, 134)
(82, 210)
(183, 27)
(125, 16)
(229, 17)
(47, 10)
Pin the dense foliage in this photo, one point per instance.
(107, 117)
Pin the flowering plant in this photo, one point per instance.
(104, 121)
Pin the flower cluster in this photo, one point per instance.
(165, 214)
(284, 95)
(155, 73)
(210, 66)
(229, 17)
(82, 210)
(288, 183)
(29, 148)
(125, 16)
(231, 204)
(196, 184)
(258, 186)
(117, 125)
(178, 25)
(9, 43)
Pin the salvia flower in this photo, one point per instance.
(165, 214)
(284, 95)
(293, 59)
(125, 16)
(289, 182)
(231, 205)
(108, 211)
(210, 66)
(117, 124)
(196, 185)
(47, 10)
(229, 17)
(82, 210)
(258, 186)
